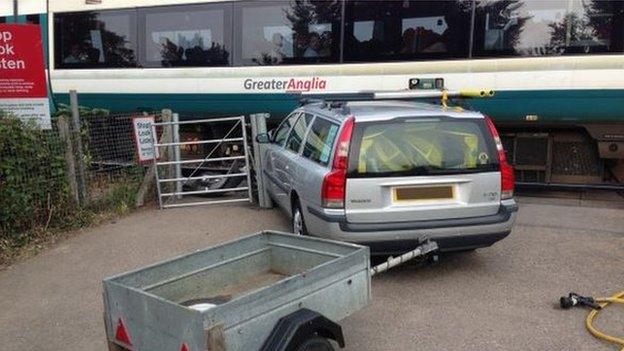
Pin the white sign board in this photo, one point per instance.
(143, 138)
(36, 110)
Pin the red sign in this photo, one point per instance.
(23, 89)
(22, 70)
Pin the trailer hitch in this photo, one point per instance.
(425, 247)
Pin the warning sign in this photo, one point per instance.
(143, 138)
(23, 90)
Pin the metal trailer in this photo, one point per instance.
(268, 291)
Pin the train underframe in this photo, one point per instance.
(584, 156)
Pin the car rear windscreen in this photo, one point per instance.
(421, 146)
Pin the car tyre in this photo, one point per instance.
(316, 343)
(298, 223)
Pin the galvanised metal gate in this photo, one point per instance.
(208, 168)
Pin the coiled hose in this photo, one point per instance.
(589, 321)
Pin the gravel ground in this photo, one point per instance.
(499, 298)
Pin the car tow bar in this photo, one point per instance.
(426, 247)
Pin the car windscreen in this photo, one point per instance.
(421, 146)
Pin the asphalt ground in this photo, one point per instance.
(499, 298)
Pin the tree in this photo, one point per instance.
(570, 29)
(502, 14)
(77, 40)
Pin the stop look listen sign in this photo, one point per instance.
(23, 89)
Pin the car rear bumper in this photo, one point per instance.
(395, 237)
(445, 243)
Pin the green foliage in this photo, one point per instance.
(33, 186)
(65, 111)
(119, 198)
(35, 198)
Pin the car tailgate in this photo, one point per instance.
(397, 199)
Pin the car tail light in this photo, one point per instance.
(507, 172)
(121, 334)
(334, 184)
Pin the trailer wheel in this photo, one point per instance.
(114, 347)
(316, 343)
(304, 330)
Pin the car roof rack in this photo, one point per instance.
(332, 104)
(307, 97)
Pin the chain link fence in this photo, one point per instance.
(63, 177)
(110, 153)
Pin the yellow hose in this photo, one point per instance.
(589, 322)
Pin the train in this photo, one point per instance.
(557, 67)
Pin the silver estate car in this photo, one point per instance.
(386, 173)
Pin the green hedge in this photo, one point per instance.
(33, 186)
(35, 198)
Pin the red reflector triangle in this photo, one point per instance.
(184, 348)
(122, 334)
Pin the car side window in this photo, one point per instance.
(319, 141)
(298, 133)
(282, 131)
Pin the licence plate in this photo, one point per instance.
(421, 193)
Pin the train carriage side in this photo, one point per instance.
(557, 66)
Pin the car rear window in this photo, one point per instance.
(421, 146)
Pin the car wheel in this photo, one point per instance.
(316, 344)
(298, 223)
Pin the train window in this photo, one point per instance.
(548, 28)
(3, 20)
(194, 35)
(95, 39)
(407, 30)
(288, 32)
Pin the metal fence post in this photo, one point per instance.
(258, 126)
(167, 152)
(164, 138)
(246, 153)
(80, 175)
(176, 152)
(70, 162)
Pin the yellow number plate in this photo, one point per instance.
(427, 193)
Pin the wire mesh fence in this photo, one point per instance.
(91, 162)
(110, 152)
(51, 178)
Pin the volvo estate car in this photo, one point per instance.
(387, 173)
